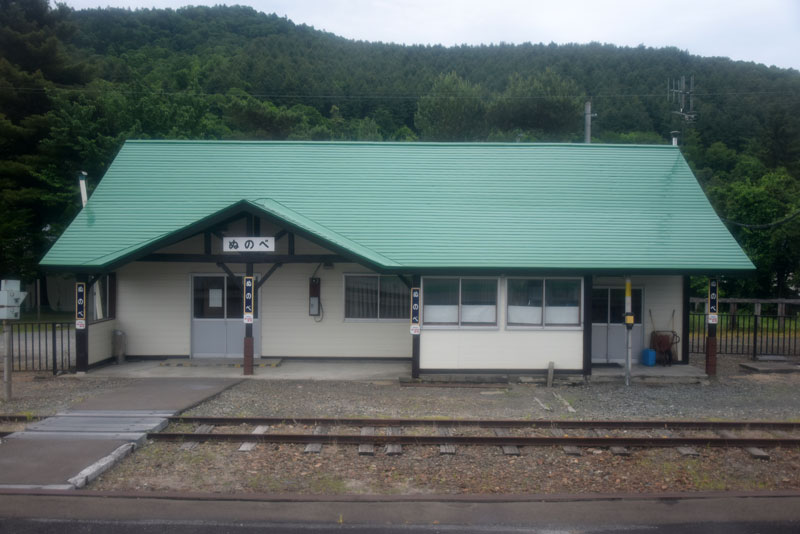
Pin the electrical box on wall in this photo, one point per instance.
(313, 297)
(10, 299)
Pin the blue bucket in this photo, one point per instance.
(648, 357)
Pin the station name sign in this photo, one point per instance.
(713, 301)
(80, 305)
(249, 283)
(248, 244)
(415, 325)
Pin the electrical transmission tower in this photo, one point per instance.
(677, 92)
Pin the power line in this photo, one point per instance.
(376, 96)
(763, 226)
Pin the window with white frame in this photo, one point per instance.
(460, 301)
(537, 302)
(372, 296)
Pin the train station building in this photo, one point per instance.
(518, 252)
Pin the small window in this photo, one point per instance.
(525, 302)
(562, 302)
(440, 297)
(375, 297)
(478, 301)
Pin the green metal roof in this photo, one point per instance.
(417, 206)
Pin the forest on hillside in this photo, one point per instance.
(75, 84)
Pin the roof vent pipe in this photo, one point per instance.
(82, 183)
(675, 137)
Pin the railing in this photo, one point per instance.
(753, 335)
(42, 346)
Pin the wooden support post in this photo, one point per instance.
(82, 337)
(781, 318)
(248, 327)
(415, 340)
(7, 363)
(587, 325)
(685, 321)
(711, 341)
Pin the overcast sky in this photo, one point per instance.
(764, 31)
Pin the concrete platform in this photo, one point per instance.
(163, 393)
(671, 374)
(770, 367)
(59, 451)
(44, 462)
(327, 369)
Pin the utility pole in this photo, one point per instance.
(587, 122)
(676, 91)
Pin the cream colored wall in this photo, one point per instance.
(154, 306)
(154, 309)
(662, 296)
(100, 340)
(288, 330)
(501, 347)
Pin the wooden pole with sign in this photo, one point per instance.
(713, 319)
(81, 327)
(247, 297)
(416, 325)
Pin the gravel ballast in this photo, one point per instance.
(339, 469)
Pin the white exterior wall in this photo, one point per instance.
(100, 340)
(154, 309)
(288, 330)
(501, 347)
(662, 295)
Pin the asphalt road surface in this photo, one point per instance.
(89, 513)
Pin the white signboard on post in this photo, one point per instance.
(248, 244)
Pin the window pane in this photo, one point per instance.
(618, 306)
(440, 298)
(478, 301)
(600, 306)
(361, 297)
(208, 297)
(563, 301)
(395, 297)
(524, 302)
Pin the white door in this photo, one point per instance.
(217, 318)
(609, 335)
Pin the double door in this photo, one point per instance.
(218, 318)
(609, 334)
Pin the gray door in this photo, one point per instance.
(609, 335)
(217, 324)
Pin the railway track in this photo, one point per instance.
(508, 434)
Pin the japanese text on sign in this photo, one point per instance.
(415, 325)
(713, 307)
(80, 305)
(249, 284)
(248, 244)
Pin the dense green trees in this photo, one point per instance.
(75, 84)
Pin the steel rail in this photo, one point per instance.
(352, 439)
(494, 423)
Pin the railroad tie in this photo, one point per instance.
(248, 446)
(202, 429)
(367, 449)
(620, 451)
(683, 451)
(394, 449)
(755, 452)
(569, 450)
(510, 450)
(316, 447)
(445, 448)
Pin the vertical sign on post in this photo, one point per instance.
(713, 319)
(713, 310)
(249, 283)
(80, 305)
(415, 311)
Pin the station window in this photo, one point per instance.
(102, 298)
(460, 301)
(373, 296)
(535, 301)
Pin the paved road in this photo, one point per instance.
(89, 514)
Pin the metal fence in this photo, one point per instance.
(42, 346)
(753, 335)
